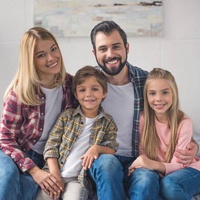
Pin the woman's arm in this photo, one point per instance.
(15, 130)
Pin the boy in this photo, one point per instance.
(79, 136)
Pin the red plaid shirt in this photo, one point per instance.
(22, 125)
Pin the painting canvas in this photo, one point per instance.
(76, 18)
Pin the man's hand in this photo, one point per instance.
(186, 156)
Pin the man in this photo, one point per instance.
(124, 102)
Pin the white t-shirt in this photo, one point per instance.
(72, 166)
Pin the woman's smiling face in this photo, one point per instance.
(47, 58)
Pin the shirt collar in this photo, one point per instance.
(78, 111)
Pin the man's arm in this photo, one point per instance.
(186, 156)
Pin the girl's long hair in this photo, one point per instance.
(150, 141)
(26, 82)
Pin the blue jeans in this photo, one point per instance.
(182, 184)
(107, 173)
(111, 174)
(143, 184)
(14, 184)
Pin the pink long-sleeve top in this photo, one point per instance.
(185, 132)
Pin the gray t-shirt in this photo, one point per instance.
(52, 110)
(119, 103)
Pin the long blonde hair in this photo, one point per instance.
(26, 81)
(149, 140)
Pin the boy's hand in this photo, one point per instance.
(60, 183)
(88, 158)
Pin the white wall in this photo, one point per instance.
(178, 50)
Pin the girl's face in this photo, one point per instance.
(159, 95)
(47, 59)
(90, 94)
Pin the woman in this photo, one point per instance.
(38, 93)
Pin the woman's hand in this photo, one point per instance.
(48, 182)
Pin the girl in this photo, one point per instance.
(164, 129)
(40, 90)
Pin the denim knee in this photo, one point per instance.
(107, 173)
(8, 169)
(9, 178)
(144, 184)
(145, 177)
(166, 183)
(107, 167)
(108, 163)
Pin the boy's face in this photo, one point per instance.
(90, 94)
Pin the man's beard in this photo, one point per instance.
(115, 70)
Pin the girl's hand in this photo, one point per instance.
(142, 161)
(88, 158)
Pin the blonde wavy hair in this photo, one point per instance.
(26, 81)
(149, 140)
